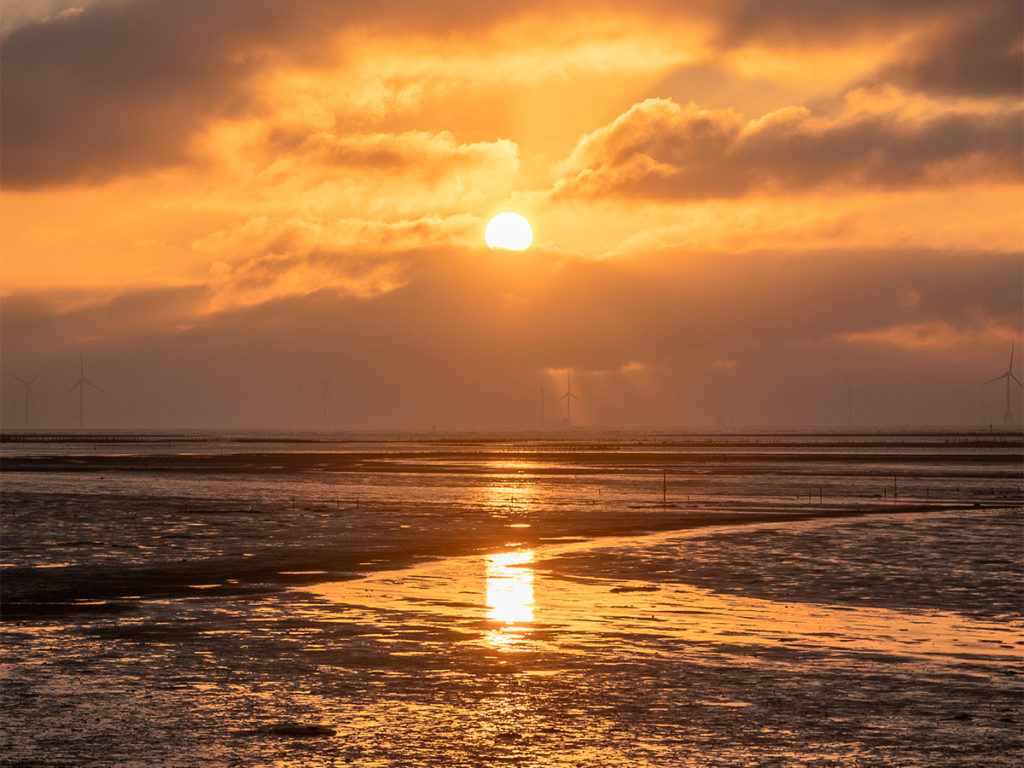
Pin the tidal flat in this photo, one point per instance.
(606, 600)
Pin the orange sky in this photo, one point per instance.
(212, 198)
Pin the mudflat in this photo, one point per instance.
(598, 600)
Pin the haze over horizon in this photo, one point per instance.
(739, 210)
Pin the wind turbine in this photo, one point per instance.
(1008, 416)
(28, 394)
(80, 386)
(299, 400)
(540, 393)
(850, 392)
(568, 397)
(327, 400)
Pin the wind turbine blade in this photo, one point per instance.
(998, 378)
(1010, 366)
(573, 395)
(18, 378)
(1017, 380)
(74, 386)
(563, 397)
(95, 386)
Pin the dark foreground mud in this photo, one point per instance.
(505, 659)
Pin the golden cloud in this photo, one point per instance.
(662, 150)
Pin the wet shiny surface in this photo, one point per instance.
(885, 639)
(655, 603)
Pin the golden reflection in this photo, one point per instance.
(509, 596)
(510, 587)
(511, 490)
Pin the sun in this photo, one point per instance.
(509, 231)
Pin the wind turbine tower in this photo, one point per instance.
(28, 394)
(326, 399)
(568, 397)
(80, 386)
(301, 400)
(1008, 416)
(850, 392)
(540, 393)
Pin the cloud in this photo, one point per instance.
(41, 317)
(916, 336)
(977, 52)
(659, 149)
(122, 87)
(128, 86)
(808, 22)
(264, 259)
(480, 330)
(941, 47)
(423, 155)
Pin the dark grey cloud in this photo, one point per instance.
(979, 52)
(122, 87)
(477, 333)
(659, 149)
(955, 48)
(806, 23)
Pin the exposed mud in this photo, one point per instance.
(515, 616)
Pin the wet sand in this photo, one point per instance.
(515, 612)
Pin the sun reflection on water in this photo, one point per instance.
(511, 489)
(509, 596)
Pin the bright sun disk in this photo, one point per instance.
(509, 231)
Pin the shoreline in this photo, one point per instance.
(518, 601)
(50, 592)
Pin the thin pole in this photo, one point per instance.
(1008, 417)
(568, 398)
(81, 390)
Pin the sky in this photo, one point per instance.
(254, 214)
